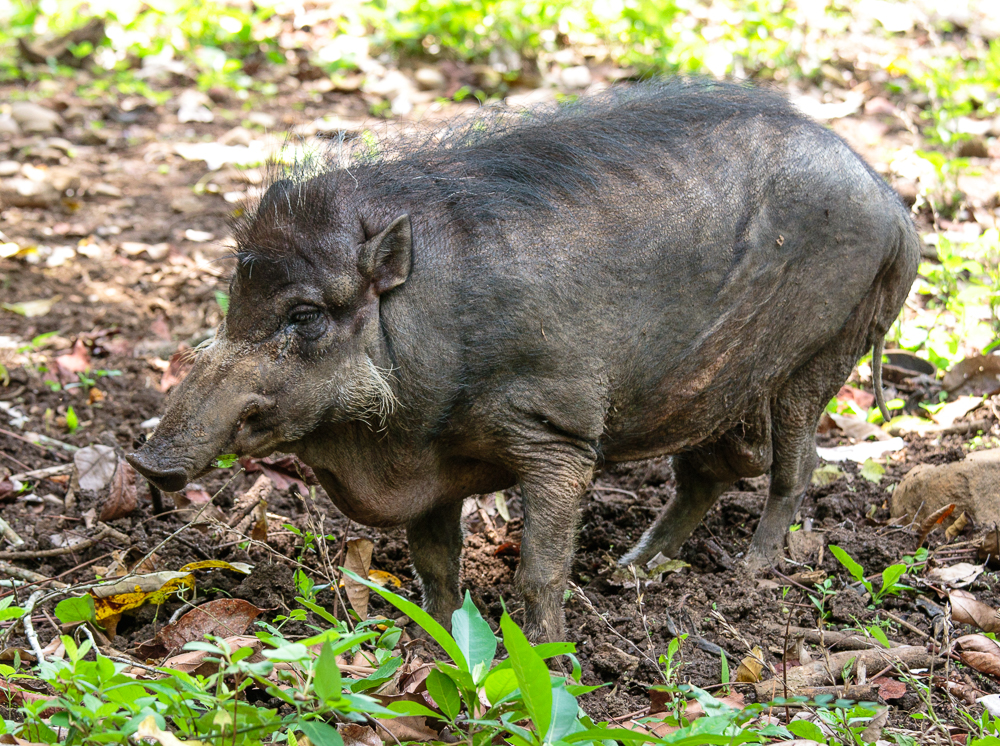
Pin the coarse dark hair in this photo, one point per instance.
(504, 161)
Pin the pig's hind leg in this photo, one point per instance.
(702, 475)
(795, 414)
(435, 543)
(699, 485)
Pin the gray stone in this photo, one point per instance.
(35, 119)
(973, 484)
(429, 79)
(8, 126)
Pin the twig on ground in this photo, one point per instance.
(30, 575)
(10, 535)
(29, 629)
(906, 624)
(40, 553)
(49, 471)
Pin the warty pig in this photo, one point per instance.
(686, 268)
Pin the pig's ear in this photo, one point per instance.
(387, 258)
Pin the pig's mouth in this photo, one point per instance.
(167, 464)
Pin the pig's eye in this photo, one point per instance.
(304, 315)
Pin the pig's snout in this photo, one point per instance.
(167, 477)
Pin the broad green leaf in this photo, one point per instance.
(11, 612)
(320, 733)
(889, 577)
(856, 570)
(499, 683)
(405, 707)
(879, 635)
(806, 729)
(445, 694)
(289, 652)
(531, 672)
(564, 714)
(421, 617)
(319, 611)
(473, 635)
(78, 609)
(327, 682)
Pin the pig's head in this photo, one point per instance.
(300, 344)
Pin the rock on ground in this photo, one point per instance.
(973, 484)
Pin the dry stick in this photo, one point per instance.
(49, 471)
(784, 666)
(598, 488)
(55, 577)
(10, 535)
(116, 658)
(906, 624)
(29, 629)
(41, 553)
(19, 463)
(29, 575)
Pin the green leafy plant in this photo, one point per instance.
(890, 575)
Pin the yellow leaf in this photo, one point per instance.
(750, 667)
(212, 564)
(383, 578)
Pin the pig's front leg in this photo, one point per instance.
(551, 489)
(435, 541)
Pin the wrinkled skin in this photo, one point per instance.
(706, 311)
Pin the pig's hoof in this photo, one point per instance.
(756, 561)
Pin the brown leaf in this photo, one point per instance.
(873, 730)
(970, 611)
(957, 527)
(122, 499)
(284, 472)
(938, 516)
(77, 361)
(358, 561)
(194, 661)
(977, 375)
(859, 396)
(982, 662)
(889, 688)
(358, 735)
(979, 644)
(223, 617)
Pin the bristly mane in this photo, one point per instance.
(504, 161)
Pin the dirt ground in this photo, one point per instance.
(128, 309)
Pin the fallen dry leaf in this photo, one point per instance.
(861, 452)
(959, 575)
(283, 472)
(76, 362)
(957, 527)
(122, 499)
(971, 611)
(979, 374)
(982, 662)
(748, 672)
(354, 734)
(149, 729)
(224, 617)
(95, 466)
(889, 688)
(873, 730)
(178, 367)
(194, 661)
(858, 429)
(358, 561)
(933, 520)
